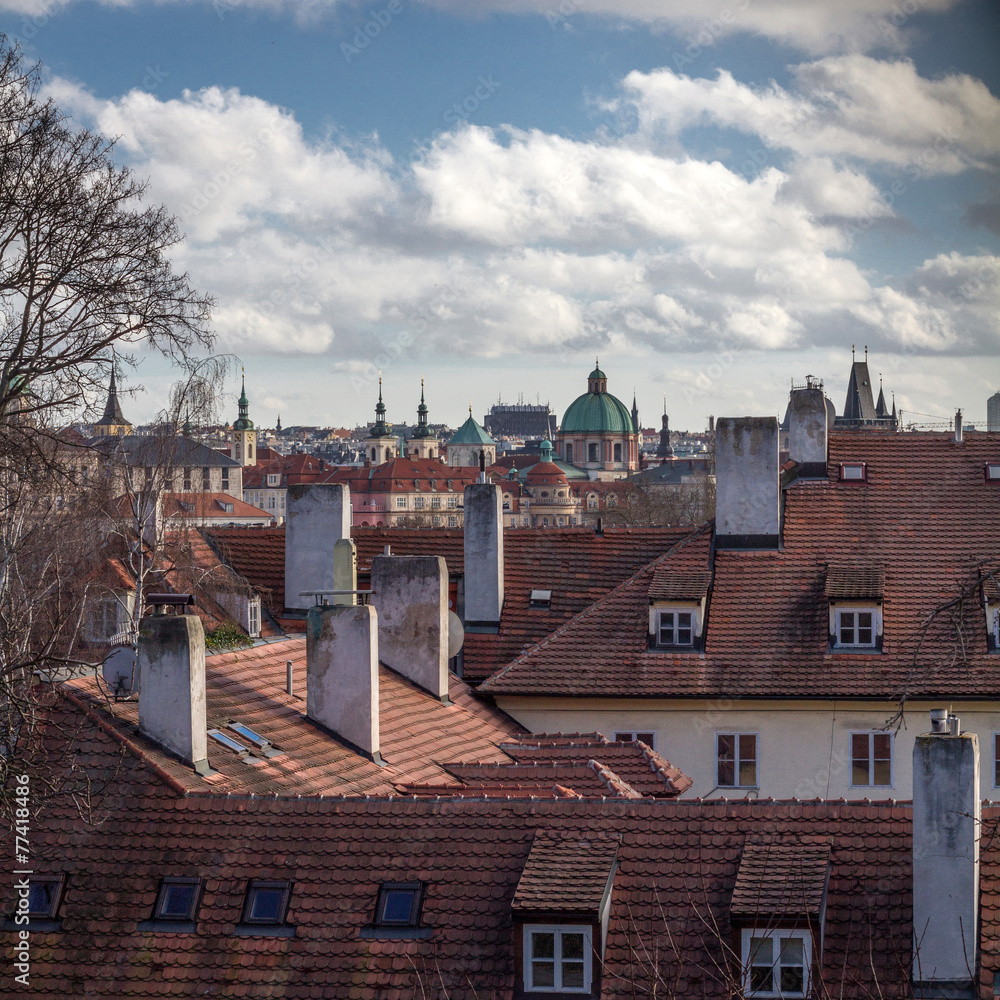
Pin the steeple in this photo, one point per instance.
(244, 435)
(422, 430)
(278, 427)
(112, 421)
(635, 413)
(664, 450)
(380, 428)
(881, 410)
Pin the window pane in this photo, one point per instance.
(791, 951)
(882, 773)
(865, 619)
(727, 773)
(727, 747)
(266, 904)
(543, 945)
(761, 952)
(748, 747)
(40, 896)
(792, 980)
(882, 744)
(398, 906)
(647, 738)
(859, 746)
(859, 773)
(572, 974)
(543, 973)
(684, 619)
(177, 900)
(846, 628)
(572, 946)
(748, 772)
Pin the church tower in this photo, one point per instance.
(664, 450)
(380, 445)
(112, 422)
(244, 448)
(424, 443)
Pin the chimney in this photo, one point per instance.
(317, 517)
(958, 427)
(483, 557)
(748, 497)
(946, 828)
(410, 594)
(345, 570)
(807, 431)
(171, 660)
(342, 674)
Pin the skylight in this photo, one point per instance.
(540, 599)
(228, 741)
(261, 742)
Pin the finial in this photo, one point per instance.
(866, 352)
(852, 352)
(470, 407)
(880, 380)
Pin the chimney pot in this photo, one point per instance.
(939, 720)
(958, 426)
(748, 496)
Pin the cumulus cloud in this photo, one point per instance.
(845, 107)
(501, 243)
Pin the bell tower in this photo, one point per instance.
(244, 436)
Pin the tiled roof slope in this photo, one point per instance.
(643, 768)
(926, 516)
(669, 916)
(417, 730)
(586, 777)
(781, 879)
(566, 875)
(576, 564)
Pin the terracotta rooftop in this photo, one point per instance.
(781, 880)
(417, 730)
(209, 505)
(677, 867)
(566, 875)
(854, 581)
(925, 515)
(578, 565)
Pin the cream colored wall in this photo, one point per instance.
(803, 747)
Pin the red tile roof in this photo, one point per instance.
(678, 863)
(417, 730)
(854, 580)
(576, 564)
(209, 505)
(925, 515)
(566, 875)
(778, 879)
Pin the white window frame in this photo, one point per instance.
(676, 627)
(855, 608)
(993, 621)
(558, 930)
(871, 733)
(996, 758)
(737, 759)
(418, 503)
(401, 503)
(253, 617)
(776, 935)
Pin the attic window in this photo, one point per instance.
(267, 902)
(540, 599)
(853, 471)
(992, 471)
(228, 742)
(177, 899)
(44, 893)
(261, 742)
(399, 904)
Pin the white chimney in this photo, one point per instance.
(807, 431)
(410, 594)
(958, 426)
(342, 674)
(483, 535)
(171, 659)
(747, 491)
(946, 830)
(317, 517)
(345, 571)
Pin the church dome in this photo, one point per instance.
(597, 411)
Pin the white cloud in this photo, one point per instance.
(846, 107)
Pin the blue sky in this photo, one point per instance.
(715, 196)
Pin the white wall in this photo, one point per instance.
(804, 748)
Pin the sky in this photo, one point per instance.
(713, 197)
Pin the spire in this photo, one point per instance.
(278, 427)
(380, 428)
(422, 430)
(187, 422)
(881, 410)
(112, 410)
(243, 421)
(635, 414)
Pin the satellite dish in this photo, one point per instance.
(456, 634)
(119, 670)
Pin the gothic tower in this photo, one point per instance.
(112, 422)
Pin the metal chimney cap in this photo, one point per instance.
(939, 720)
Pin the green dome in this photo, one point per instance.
(597, 373)
(471, 433)
(597, 413)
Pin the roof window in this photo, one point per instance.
(44, 894)
(853, 472)
(228, 742)
(261, 742)
(993, 471)
(540, 599)
(265, 909)
(397, 912)
(177, 899)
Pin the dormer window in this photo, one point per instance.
(776, 963)
(397, 912)
(557, 959)
(854, 590)
(675, 628)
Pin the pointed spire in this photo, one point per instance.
(112, 415)
(422, 430)
(380, 428)
(243, 421)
